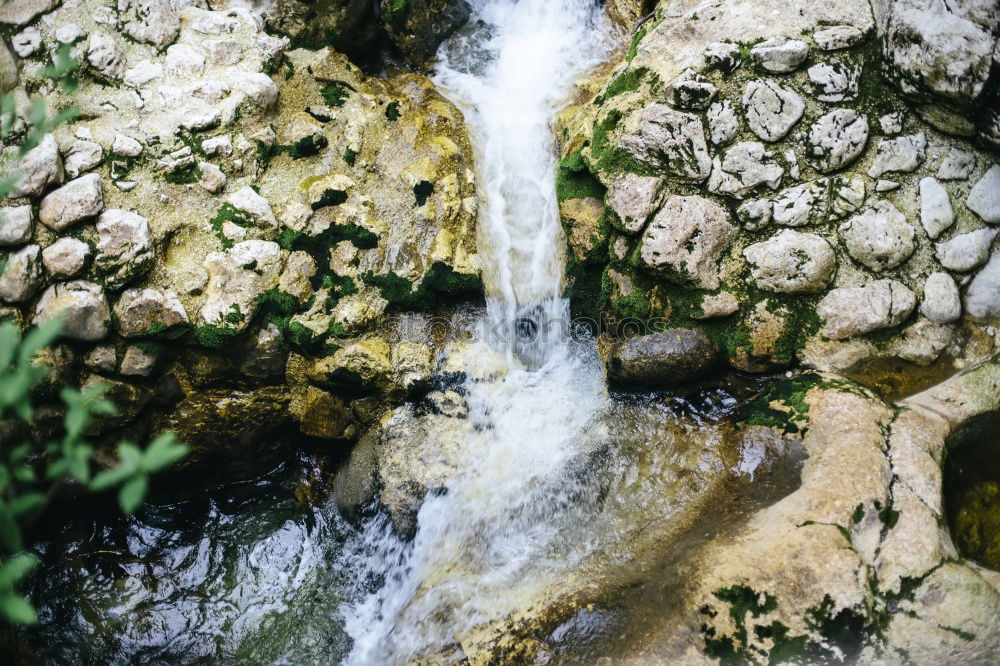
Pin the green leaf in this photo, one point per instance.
(9, 338)
(15, 568)
(17, 610)
(40, 337)
(132, 494)
(10, 533)
(110, 477)
(22, 504)
(163, 451)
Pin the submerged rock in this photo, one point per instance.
(667, 358)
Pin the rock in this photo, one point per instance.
(81, 157)
(217, 146)
(40, 168)
(212, 178)
(27, 42)
(891, 123)
(69, 33)
(138, 362)
(8, 70)
(77, 200)
(903, 154)
(323, 415)
(847, 194)
(957, 165)
(982, 296)
(836, 37)
(265, 354)
(744, 167)
(21, 12)
(724, 56)
(634, 198)
(87, 316)
(22, 275)
(126, 146)
(936, 214)
(224, 52)
(779, 54)
(837, 139)
(106, 56)
(418, 27)
(670, 140)
(880, 237)
(237, 279)
(771, 109)
(16, 225)
(102, 358)
(666, 358)
(124, 246)
(984, 199)
(686, 239)
(935, 50)
(155, 23)
(834, 82)
(184, 61)
(851, 311)
(941, 303)
(143, 73)
(791, 262)
(718, 305)
(148, 311)
(255, 206)
(691, 91)
(886, 185)
(802, 204)
(723, 125)
(966, 251)
(66, 258)
(258, 86)
(755, 214)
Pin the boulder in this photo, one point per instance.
(417, 27)
(880, 237)
(837, 37)
(901, 155)
(41, 167)
(666, 358)
(958, 164)
(941, 303)
(66, 258)
(982, 296)
(984, 199)
(837, 139)
(77, 200)
(148, 311)
(670, 140)
(772, 110)
(84, 306)
(237, 279)
(106, 56)
(81, 157)
(966, 251)
(22, 275)
(779, 54)
(255, 206)
(936, 214)
(834, 81)
(744, 167)
(850, 311)
(634, 198)
(124, 246)
(791, 262)
(21, 12)
(723, 125)
(154, 22)
(16, 225)
(686, 239)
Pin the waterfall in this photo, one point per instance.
(488, 544)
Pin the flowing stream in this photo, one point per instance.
(487, 545)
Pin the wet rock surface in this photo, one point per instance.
(666, 358)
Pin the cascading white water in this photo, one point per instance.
(489, 544)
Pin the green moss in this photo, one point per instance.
(214, 337)
(441, 282)
(334, 94)
(307, 146)
(859, 514)
(392, 112)
(422, 191)
(790, 394)
(185, 175)
(395, 13)
(627, 81)
(330, 197)
(610, 158)
(633, 47)
(575, 181)
(350, 157)
(228, 213)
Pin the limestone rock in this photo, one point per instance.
(66, 258)
(22, 275)
(258, 86)
(665, 358)
(148, 311)
(744, 167)
(791, 262)
(75, 201)
(106, 56)
(941, 303)
(771, 109)
(237, 279)
(691, 91)
(802, 204)
(966, 251)
(155, 23)
(957, 165)
(41, 167)
(718, 305)
(984, 199)
(212, 178)
(880, 237)
(87, 315)
(834, 81)
(255, 206)
(27, 42)
(836, 37)
(779, 54)
(903, 154)
(851, 311)
(936, 214)
(686, 239)
(634, 198)
(755, 214)
(670, 140)
(138, 361)
(21, 12)
(837, 139)
(126, 146)
(124, 246)
(982, 296)
(81, 157)
(723, 125)
(418, 27)
(16, 225)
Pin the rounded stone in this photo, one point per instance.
(941, 303)
(662, 359)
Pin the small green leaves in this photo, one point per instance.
(134, 467)
(13, 607)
